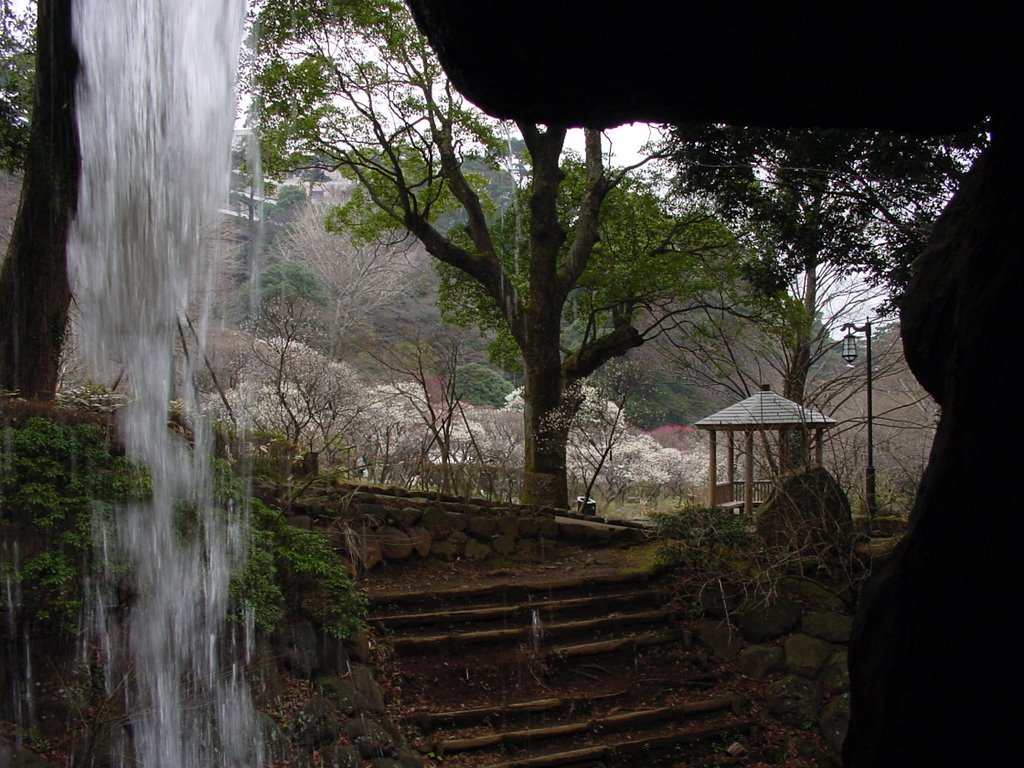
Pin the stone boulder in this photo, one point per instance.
(808, 514)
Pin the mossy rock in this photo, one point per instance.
(806, 655)
(763, 622)
(721, 638)
(834, 721)
(808, 514)
(759, 661)
(835, 675)
(834, 627)
(794, 700)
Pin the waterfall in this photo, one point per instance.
(155, 113)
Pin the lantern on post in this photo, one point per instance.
(848, 350)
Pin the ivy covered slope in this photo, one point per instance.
(59, 483)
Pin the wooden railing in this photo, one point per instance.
(732, 492)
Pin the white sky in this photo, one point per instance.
(626, 141)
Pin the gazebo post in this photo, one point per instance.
(713, 465)
(819, 447)
(748, 475)
(730, 468)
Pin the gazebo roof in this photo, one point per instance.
(762, 411)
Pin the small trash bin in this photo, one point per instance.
(586, 505)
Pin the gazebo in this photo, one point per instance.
(761, 412)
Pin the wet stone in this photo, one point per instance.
(275, 741)
(370, 738)
(366, 685)
(341, 693)
(316, 725)
(340, 756)
(301, 648)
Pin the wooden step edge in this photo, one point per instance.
(584, 755)
(616, 644)
(470, 743)
(457, 640)
(685, 736)
(625, 747)
(508, 590)
(500, 611)
(554, 629)
(556, 604)
(444, 617)
(429, 721)
(603, 724)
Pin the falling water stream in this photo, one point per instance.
(155, 113)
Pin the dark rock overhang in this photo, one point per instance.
(870, 64)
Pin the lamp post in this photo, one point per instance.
(849, 353)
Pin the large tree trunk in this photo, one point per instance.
(34, 291)
(546, 413)
(932, 676)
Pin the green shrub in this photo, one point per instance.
(295, 567)
(54, 480)
(708, 539)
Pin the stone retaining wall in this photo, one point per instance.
(799, 648)
(371, 526)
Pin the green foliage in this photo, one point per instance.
(54, 480)
(17, 73)
(853, 199)
(710, 540)
(295, 567)
(50, 472)
(482, 385)
(291, 282)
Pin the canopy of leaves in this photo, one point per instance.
(861, 201)
(289, 281)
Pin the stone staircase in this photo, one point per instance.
(589, 670)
